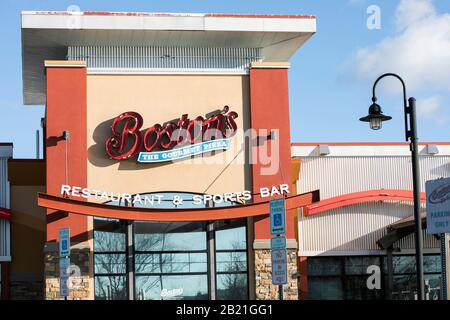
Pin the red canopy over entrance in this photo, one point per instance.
(148, 214)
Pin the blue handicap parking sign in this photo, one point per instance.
(277, 220)
(277, 216)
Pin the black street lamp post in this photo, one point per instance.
(375, 118)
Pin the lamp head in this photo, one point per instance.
(375, 116)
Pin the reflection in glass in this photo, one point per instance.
(232, 286)
(110, 288)
(404, 264)
(159, 236)
(356, 289)
(167, 287)
(171, 263)
(324, 266)
(329, 288)
(432, 263)
(231, 261)
(231, 239)
(359, 265)
(111, 263)
(109, 235)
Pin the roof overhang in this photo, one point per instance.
(46, 36)
(148, 214)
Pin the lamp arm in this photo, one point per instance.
(407, 110)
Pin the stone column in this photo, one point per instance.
(265, 290)
(79, 283)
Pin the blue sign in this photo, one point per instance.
(64, 242)
(277, 216)
(184, 152)
(64, 264)
(279, 267)
(278, 243)
(438, 206)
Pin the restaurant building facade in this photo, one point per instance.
(165, 138)
(152, 216)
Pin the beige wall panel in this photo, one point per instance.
(161, 98)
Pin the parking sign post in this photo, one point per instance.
(64, 261)
(278, 243)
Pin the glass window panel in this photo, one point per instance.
(169, 236)
(186, 287)
(404, 287)
(356, 289)
(231, 261)
(109, 241)
(404, 264)
(231, 239)
(432, 263)
(329, 288)
(198, 262)
(324, 266)
(110, 288)
(110, 263)
(433, 281)
(359, 265)
(171, 263)
(147, 263)
(232, 287)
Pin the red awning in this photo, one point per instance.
(5, 214)
(360, 197)
(148, 214)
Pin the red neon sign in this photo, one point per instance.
(127, 140)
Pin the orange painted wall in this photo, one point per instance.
(269, 109)
(66, 110)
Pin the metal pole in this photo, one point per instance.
(280, 292)
(444, 280)
(37, 144)
(130, 260)
(416, 190)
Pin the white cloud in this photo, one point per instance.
(412, 11)
(419, 51)
(432, 108)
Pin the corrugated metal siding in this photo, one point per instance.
(4, 184)
(165, 58)
(356, 228)
(5, 250)
(341, 175)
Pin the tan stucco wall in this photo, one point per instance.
(161, 98)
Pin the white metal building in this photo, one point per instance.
(366, 194)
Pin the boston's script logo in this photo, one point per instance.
(189, 137)
(440, 195)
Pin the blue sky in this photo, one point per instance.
(331, 76)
